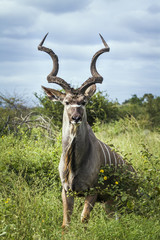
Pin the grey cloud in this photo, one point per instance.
(17, 21)
(17, 50)
(143, 24)
(145, 27)
(131, 29)
(154, 9)
(58, 6)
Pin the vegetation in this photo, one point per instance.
(30, 146)
(145, 108)
(101, 108)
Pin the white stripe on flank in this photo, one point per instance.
(122, 160)
(103, 152)
(108, 154)
(118, 160)
(115, 158)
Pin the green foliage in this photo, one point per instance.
(26, 213)
(149, 189)
(120, 185)
(30, 200)
(53, 110)
(28, 174)
(15, 115)
(137, 192)
(11, 107)
(32, 157)
(145, 108)
(30, 191)
(152, 106)
(101, 108)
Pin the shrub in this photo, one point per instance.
(33, 157)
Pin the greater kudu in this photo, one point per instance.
(83, 154)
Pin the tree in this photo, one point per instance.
(152, 106)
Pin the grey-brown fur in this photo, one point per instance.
(82, 153)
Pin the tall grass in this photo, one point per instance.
(30, 200)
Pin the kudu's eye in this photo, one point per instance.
(83, 103)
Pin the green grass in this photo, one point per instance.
(30, 191)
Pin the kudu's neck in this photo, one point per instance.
(72, 131)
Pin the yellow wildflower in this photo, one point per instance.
(105, 177)
(101, 171)
(116, 182)
(7, 201)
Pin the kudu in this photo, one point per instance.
(83, 154)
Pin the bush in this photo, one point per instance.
(32, 157)
(53, 110)
(11, 107)
(145, 108)
(101, 108)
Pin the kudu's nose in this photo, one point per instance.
(76, 118)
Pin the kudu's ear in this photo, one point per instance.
(53, 94)
(90, 91)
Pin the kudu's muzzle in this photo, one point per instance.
(76, 115)
(76, 119)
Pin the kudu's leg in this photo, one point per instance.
(68, 202)
(88, 206)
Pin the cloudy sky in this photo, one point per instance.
(131, 29)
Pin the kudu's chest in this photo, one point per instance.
(77, 169)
